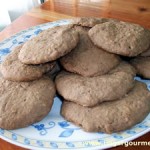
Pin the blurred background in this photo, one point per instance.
(137, 11)
(12, 9)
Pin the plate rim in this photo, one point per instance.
(83, 148)
(31, 28)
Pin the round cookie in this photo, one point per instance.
(87, 59)
(111, 116)
(13, 69)
(90, 21)
(142, 65)
(24, 103)
(122, 38)
(90, 91)
(49, 45)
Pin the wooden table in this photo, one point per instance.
(127, 10)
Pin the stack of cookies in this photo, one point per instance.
(96, 85)
(27, 92)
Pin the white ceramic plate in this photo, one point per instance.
(54, 132)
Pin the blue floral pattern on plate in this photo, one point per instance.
(42, 128)
(53, 132)
(68, 131)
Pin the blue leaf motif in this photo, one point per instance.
(26, 141)
(63, 124)
(54, 145)
(69, 144)
(117, 136)
(37, 31)
(14, 41)
(143, 126)
(4, 51)
(14, 137)
(131, 132)
(27, 36)
(20, 42)
(66, 133)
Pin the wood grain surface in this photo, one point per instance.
(136, 11)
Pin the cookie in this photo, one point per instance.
(142, 65)
(87, 59)
(111, 116)
(146, 53)
(13, 69)
(90, 21)
(49, 45)
(122, 38)
(90, 91)
(25, 103)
